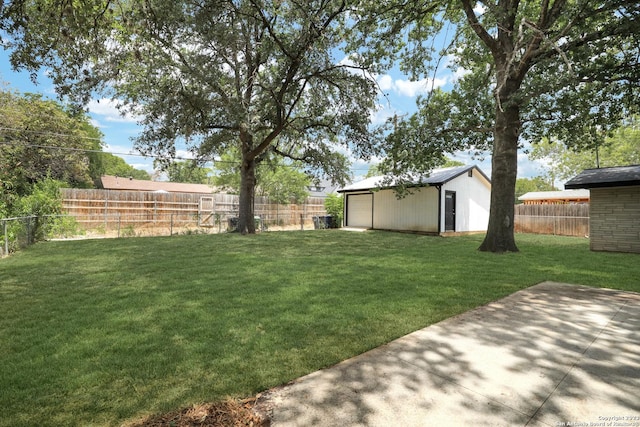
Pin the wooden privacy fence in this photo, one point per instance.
(107, 209)
(563, 219)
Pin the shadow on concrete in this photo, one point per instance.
(553, 354)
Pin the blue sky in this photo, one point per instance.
(401, 94)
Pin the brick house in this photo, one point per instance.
(614, 210)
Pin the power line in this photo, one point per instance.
(37, 132)
(87, 150)
(84, 150)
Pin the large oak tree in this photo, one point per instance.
(561, 69)
(256, 75)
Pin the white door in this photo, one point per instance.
(360, 210)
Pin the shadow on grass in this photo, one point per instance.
(547, 355)
(99, 332)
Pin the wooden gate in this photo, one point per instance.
(206, 210)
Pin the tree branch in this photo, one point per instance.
(480, 31)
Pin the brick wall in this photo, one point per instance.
(615, 219)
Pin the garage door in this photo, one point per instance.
(360, 210)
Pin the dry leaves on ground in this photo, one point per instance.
(229, 413)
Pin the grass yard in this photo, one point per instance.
(100, 332)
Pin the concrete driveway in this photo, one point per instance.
(550, 355)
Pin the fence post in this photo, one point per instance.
(28, 230)
(171, 225)
(301, 222)
(106, 211)
(6, 237)
(118, 225)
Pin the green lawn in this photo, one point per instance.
(98, 332)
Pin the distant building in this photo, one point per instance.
(322, 188)
(555, 197)
(110, 182)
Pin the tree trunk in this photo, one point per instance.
(246, 222)
(504, 166)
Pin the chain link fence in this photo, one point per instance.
(19, 232)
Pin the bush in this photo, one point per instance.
(334, 204)
(43, 201)
(64, 226)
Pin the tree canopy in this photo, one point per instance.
(281, 182)
(620, 149)
(566, 70)
(187, 171)
(111, 164)
(258, 76)
(39, 139)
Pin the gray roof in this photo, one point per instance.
(321, 188)
(618, 176)
(436, 177)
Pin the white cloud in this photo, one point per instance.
(347, 61)
(460, 73)
(381, 114)
(117, 149)
(108, 110)
(479, 9)
(185, 154)
(148, 167)
(385, 82)
(410, 88)
(96, 123)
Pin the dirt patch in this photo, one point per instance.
(229, 413)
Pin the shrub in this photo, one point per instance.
(334, 204)
(64, 226)
(44, 200)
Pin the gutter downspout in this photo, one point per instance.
(372, 208)
(439, 187)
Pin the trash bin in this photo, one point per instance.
(233, 223)
(325, 221)
(316, 222)
(329, 221)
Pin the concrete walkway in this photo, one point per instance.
(550, 355)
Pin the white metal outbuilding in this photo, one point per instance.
(453, 199)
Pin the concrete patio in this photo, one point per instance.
(550, 355)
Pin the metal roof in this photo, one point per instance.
(619, 176)
(436, 177)
(555, 195)
(110, 182)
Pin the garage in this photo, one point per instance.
(448, 200)
(360, 210)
